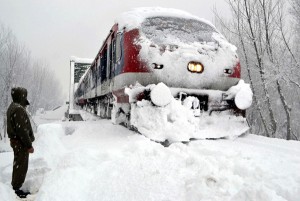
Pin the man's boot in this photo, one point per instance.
(21, 193)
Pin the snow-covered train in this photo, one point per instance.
(148, 46)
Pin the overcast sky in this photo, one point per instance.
(55, 30)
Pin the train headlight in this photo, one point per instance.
(195, 67)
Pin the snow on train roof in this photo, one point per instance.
(133, 19)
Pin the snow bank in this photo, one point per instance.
(77, 168)
(165, 118)
(48, 149)
(102, 161)
(49, 116)
(87, 116)
(142, 170)
(176, 123)
(238, 170)
(6, 192)
(48, 143)
(161, 123)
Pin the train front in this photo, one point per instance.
(188, 53)
(201, 69)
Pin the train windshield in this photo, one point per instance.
(169, 30)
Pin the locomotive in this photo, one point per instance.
(153, 45)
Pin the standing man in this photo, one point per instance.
(19, 131)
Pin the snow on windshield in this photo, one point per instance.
(134, 18)
(163, 29)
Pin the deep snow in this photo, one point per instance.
(96, 160)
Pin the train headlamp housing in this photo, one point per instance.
(195, 67)
(157, 66)
(228, 71)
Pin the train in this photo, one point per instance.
(161, 45)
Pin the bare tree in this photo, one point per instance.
(19, 69)
(12, 54)
(260, 34)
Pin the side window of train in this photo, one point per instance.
(104, 64)
(94, 76)
(99, 70)
(118, 49)
(109, 61)
(89, 76)
(114, 51)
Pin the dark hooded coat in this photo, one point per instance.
(19, 131)
(18, 122)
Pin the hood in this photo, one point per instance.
(19, 95)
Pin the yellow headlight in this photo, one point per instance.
(199, 68)
(195, 67)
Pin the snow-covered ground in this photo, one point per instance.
(95, 160)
